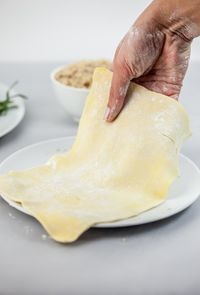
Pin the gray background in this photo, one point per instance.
(52, 30)
(158, 258)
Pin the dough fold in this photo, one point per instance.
(113, 171)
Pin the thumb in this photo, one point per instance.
(118, 91)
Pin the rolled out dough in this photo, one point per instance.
(113, 171)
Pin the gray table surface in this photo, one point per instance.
(157, 258)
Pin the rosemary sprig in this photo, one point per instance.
(8, 104)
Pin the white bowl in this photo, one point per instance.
(72, 99)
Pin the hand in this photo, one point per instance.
(153, 54)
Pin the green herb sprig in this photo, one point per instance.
(8, 104)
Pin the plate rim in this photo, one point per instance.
(22, 114)
(114, 224)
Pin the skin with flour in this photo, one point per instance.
(155, 51)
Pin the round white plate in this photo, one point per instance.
(182, 194)
(13, 117)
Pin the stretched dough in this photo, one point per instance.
(113, 171)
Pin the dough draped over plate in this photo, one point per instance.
(113, 170)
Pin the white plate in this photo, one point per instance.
(14, 116)
(182, 194)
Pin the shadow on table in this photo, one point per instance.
(189, 214)
(13, 134)
(27, 227)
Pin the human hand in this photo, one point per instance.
(154, 53)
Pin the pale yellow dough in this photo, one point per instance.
(113, 171)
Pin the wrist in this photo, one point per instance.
(181, 17)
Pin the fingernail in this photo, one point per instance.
(107, 112)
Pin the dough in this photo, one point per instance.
(113, 171)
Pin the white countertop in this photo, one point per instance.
(158, 258)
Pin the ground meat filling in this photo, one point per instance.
(80, 74)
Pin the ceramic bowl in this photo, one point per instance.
(71, 99)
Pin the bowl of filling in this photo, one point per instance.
(72, 82)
